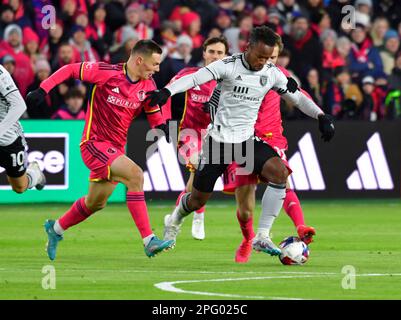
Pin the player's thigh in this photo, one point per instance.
(124, 170)
(99, 193)
(245, 198)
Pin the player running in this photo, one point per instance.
(245, 80)
(269, 128)
(195, 119)
(13, 146)
(116, 98)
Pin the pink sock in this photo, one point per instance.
(77, 213)
(139, 212)
(201, 210)
(293, 208)
(179, 197)
(246, 227)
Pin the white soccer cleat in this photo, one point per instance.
(265, 244)
(198, 226)
(34, 165)
(171, 230)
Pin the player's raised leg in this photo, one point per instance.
(245, 197)
(130, 174)
(292, 207)
(83, 208)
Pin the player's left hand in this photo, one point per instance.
(157, 97)
(326, 126)
(292, 85)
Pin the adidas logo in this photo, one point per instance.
(238, 78)
(164, 173)
(116, 90)
(306, 173)
(372, 171)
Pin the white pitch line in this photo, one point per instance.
(170, 286)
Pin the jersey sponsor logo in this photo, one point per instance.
(372, 171)
(199, 98)
(241, 89)
(141, 95)
(306, 174)
(123, 103)
(116, 90)
(263, 80)
(238, 78)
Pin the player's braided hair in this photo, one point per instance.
(265, 35)
(146, 48)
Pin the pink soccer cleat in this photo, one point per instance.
(244, 251)
(306, 233)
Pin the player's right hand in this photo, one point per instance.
(35, 97)
(157, 97)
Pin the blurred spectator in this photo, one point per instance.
(22, 12)
(31, 44)
(223, 20)
(364, 6)
(6, 17)
(275, 21)
(371, 108)
(67, 15)
(51, 102)
(379, 28)
(343, 46)
(389, 51)
(312, 87)
(260, 16)
(288, 9)
(64, 56)
(393, 99)
(167, 38)
(334, 9)
(83, 48)
(121, 51)
(72, 110)
(238, 37)
(305, 47)
(102, 38)
(8, 63)
(115, 17)
(214, 33)
(50, 45)
(12, 44)
(331, 57)
(364, 58)
(178, 60)
(191, 25)
(133, 14)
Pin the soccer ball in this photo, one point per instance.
(293, 251)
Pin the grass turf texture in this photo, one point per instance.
(103, 258)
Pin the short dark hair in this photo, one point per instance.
(146, 48)
(73, 93)
(265, 35)
(214, 40)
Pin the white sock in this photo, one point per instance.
(147, 239)
(272, 202)
(33, 177)
(57, 228)
(180, 211)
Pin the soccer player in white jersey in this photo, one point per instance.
(13, 146)
(245, 80)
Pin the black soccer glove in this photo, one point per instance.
(326, 126)
(35, 97)
(165, 128)
(292, 85)
(158, 97)
(206, 107)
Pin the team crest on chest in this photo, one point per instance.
(111, 150)
(141, 95)
(263, 80)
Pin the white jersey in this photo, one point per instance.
(241, 93)
(12, 106)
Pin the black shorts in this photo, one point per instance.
(251, 154)
(13, 158)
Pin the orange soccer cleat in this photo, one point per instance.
(306, 233)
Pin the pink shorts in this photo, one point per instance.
(234, 179)
(189, 147)
(98, 157)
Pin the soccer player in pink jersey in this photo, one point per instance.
(195, 119)
(269, 128)
(116, 98)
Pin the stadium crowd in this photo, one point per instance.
(349, 60)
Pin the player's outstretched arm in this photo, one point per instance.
(37, 96)
(15, 112)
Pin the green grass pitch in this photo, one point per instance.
(103, 258)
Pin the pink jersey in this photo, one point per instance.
(114, 100)
(193, 117)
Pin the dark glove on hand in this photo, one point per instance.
(165, 128)
(326, 127)
(292, 85)
(206, 107)
(35, 97)
(158, 97)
